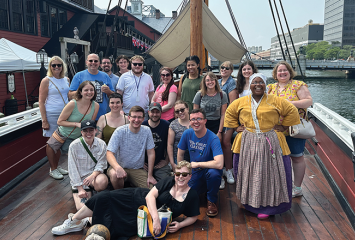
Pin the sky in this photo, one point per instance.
(253, 17)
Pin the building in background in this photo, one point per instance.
(339, 22)
(310, 33)
(263, 55)
(255, 49)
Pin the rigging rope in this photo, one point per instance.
(277, 30)
(241, 39)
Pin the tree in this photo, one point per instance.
(332, 53)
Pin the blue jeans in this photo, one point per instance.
(206, 180)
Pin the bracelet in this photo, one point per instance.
(219, 131)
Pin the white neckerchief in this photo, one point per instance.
(254, 108)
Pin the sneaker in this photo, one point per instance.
(69, 226)
(223, 184)
(62, 171)
(263, 216)
(296, 191)
(56, 174)
(229, 176)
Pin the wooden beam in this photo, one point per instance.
(204, 60)
(196, 28)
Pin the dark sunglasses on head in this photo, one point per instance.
(223, 67)
(139, 64)
(165, 75)
(93, 61)
(180, 110)
(56, 65)
(184, 174)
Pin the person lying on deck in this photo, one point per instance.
(117, 209)
(86, 163)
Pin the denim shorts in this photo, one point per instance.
(296, 146)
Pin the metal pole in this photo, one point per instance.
(277, 30)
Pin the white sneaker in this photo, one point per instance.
(296, 191)
(56, 174)
(223, 184)
(69, 226)
(229, 176)
(62, 171)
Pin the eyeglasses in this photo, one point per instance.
(209, 80)
(56, 65)
(88, 130)
(184, 174)
(165, 75)
(137, 64)
(106, 63)
(196, 119)
(223, 67)
(136, 117)
(181, 110)
(95, 61)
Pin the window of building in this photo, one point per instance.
(62, 18)
(17, 15)
(88, 4)
(54, 20)
(4, 17)
(30, 16)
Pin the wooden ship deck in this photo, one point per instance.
(31, 209)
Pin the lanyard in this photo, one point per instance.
(139, 81)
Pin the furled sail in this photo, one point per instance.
(173, 46)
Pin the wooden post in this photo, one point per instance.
(196, 28)
(204, 59)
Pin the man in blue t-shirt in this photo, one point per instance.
(206, 158)
(160, 129)
(101, 81)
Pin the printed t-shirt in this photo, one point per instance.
(211, 105)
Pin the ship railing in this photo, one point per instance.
(19, 120)
(339, 125)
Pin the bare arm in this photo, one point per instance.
(196, 106)
(170, 147)
(43, 94)
(305, 98)
(232, 95)
(97, 107)
(175, 226)
(223, 113)
(179, 88)
(180, 155)
(216, 163)
(171, 102)
(154, 96)
(62, 120)
(111, 159)
(119, 91)
(71, 95)
(100, 126)
(151, 160)
(152, 208)
(150, 94)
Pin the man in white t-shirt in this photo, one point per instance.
(126, 153)
(135, 86)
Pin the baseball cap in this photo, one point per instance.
(155, 105)
(88, 124)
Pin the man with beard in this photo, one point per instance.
(206, 158)
(160, 129)
(101, 81)
(135, 86)
(106, 66)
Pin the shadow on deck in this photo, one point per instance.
(31, 209)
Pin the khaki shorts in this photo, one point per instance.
(137, 177)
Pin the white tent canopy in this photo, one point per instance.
(16, 58)
(173, 46)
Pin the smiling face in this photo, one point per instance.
(89, 135)
(88, 92)
(123, 64)
(56, 67)
(106, 65)
(192, 67)
(247, 71)
(135, 119)
(93, 62)
(154, 115)
(210, 83)
(283, 75)
(257, 86)
(165, 77)
(181, 111)
(198, 122)
(137, 66)
(182, 181)
(115, 104)
(224, 72)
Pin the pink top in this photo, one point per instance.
(170, 113)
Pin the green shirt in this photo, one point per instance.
(189, 89)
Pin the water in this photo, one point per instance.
(330, 88)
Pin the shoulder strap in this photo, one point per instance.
(105, 119)
(58, 91)
(87, 150)
(221, 95)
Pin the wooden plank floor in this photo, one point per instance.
(31, 209)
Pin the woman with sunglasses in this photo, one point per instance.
(82, 107)
(190, 82)
(262, 164)
(176, 129)
(227, 84)
(120, 215)
(214, 101)
(166, 94)
(108, 123)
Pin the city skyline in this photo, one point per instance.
(254, 18)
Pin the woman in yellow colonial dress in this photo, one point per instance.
(261, 163)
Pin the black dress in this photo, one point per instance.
(117, 209)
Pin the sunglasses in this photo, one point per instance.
(223, 67)
(165, 75)
(95, 61)
(184, 174)
(56, 65)
(181, 110)
(137, 64)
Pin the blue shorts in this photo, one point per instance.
(296, 146)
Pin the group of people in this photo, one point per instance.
(118, 129)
